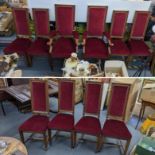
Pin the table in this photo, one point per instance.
(146, 146)
(23, 97)
(14, 145)
(148, 100)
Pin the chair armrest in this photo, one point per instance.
(107, 34)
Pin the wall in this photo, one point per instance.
(81, 7)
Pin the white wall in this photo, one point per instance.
(81, 7)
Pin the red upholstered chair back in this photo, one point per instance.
(21, 19)
(65, 18)
(118, 26)
(96, 18)
(140, 23)
(39, 97)
(118, 100)
(92, 101)
(66, 95)
(41, 20)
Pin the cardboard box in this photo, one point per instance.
(115, 68)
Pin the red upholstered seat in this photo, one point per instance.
(95, 48)
(36, 123)
(138, 48)
(39, 47)
(119, 48)
(19, 45)
(89, 125)
(63, 47)
(63, 122)
(116, 129)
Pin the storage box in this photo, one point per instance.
(116, 68)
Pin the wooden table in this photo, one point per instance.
(148, 100)
(23, 97)
(14, 145)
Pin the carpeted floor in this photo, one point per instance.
(9, 127)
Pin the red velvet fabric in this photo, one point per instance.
(92, 98)
(41, 20)
(66, 95)
(19, 45)
(138, 48)
(35, 123)
(95, 48)
(118, 100)
(89, 125)
(116, 129)
(64, 122)
(39, 96)
(39, 47)
(96, 20)
(119, 48)
(119, 23)
(65, 16)
(63, 47)
(139, 24)
(21, 21)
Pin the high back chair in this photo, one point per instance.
(38, 122)
(136, 42)
(117, 31)
(93, 45)
(21, 44)
(66, 38)
(89, 123)
(114, 126)
(64, 120)
(42, 30)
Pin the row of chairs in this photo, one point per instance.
(114, 126)
(62, 41)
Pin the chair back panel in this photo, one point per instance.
(140, 23)
(118, 100)
(66, 95)
(21, 19)
(65, 18)
(39, 96)
(93, 98)
(96, 18)
(41, 20)
(118, 26)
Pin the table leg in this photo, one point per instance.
(4, 113)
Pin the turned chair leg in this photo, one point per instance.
(127, 146)
(50, 136)
(99, 143)
(45, 140)
(22, 136)
(72, 140)
(29, 60)
(4, 113)
(50, 60)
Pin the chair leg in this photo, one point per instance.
(45, 140)
(22, 136)
(99, 143)
(127, 146)
(50, 136)
(4, 113)
(72, 139)
(50, 62)
(29, 60)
